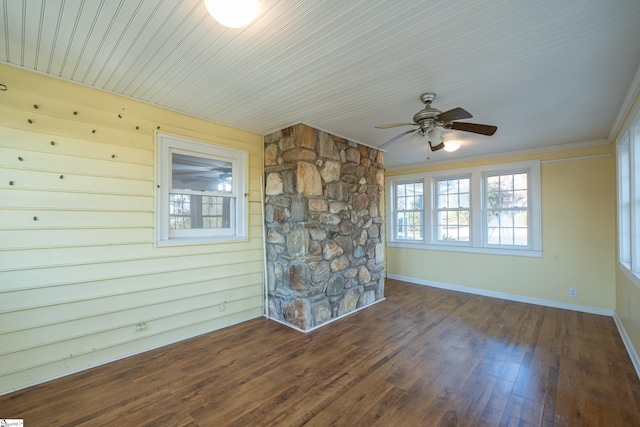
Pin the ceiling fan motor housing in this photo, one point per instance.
(426, 117)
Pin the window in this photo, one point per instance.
(628, 171)
(453, 207)
(506, 209)
(490, 209)
(200, 191)
(624, 201)
(409, 212)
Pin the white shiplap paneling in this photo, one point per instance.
(78, 264)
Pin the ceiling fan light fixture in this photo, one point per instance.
(434, 137)
(233, 13)
(451, 146)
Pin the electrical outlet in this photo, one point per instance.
(140, 327)
(223, 306)
(573, 292)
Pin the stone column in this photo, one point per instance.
(323, 212)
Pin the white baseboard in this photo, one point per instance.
(282, 322)
(627, 343)
(506, 296)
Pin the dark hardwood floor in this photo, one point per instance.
(422, 357)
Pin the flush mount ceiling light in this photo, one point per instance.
(233, 13)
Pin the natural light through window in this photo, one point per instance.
(489, 209)
(507, 209)
(409, 211)
(454, 202)
(628, 170)
(201, 191)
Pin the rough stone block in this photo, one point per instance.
(363, 275)
(327, 147)
(271, 155)
(308, 180)
(317, 234)
(299, 154)
(305, 136)
(298, 313)
(298, 242)
(335, 285)
(322, 312)
(329, 218)
(318, 205)
(275, 238)
(338, 191)
(298, 277)
(289, 181)
(349, 302)
(322, 272)
(298, 208)
(345, 242)
(367, 298)
(274, 184)
(332, 250)
(339, 263)
(330, 171)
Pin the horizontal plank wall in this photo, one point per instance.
(81, 280)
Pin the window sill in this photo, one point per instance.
(183, 241)
(468, 249)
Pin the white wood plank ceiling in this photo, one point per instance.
(545, 72)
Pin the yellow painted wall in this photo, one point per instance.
(76, 281)
(578, 237)
(628, 292)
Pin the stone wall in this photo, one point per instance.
(323, 205)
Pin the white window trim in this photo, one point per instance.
(433, 224)
(394, 219)
(166, 145)
(628, 150)
(476, 243)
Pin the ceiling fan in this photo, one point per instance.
(430, 119)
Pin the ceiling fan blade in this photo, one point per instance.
(474, 127)
(392, 125)
(455, 114)
(437, 147)
(394, 139)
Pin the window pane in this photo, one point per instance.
(452, 215)
(507, 227)
(493, 183)
(187, 211)
(402, 203)
(520, 181)
(464, 200)
(506, 182)
(200, 173)
(520, 198)
(409, 204)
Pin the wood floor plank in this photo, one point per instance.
(423, 356)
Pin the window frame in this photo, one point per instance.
(628, 199)
(486, 208)
(397, 210)
(477, 229)
(166, 145)
(436, 209)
